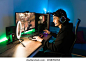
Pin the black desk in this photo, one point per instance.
(15, 49)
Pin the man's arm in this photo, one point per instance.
(53, 34)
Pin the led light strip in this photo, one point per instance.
(4, 39)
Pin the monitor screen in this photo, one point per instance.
(27, 20)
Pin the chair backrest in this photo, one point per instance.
(76, 29)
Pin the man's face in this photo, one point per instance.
(56, 20)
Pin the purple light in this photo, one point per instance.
(44, 33)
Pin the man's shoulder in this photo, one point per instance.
(68, 26)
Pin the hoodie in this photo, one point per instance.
(64, 39)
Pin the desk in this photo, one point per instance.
(16, 49)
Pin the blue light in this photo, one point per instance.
(45, 11)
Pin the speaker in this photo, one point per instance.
(11, 34)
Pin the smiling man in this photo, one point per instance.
(65, 37)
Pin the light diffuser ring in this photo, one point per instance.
(18, 35)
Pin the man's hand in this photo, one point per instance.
(37, 38)
(46, 31)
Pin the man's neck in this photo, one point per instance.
(60, 26)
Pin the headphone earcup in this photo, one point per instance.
(62, 19)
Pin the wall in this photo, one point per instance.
(6, 15)
(30, 5)
(80, 11)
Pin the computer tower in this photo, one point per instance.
(11, 34)
(42, 21)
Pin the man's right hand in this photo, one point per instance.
(46, 31)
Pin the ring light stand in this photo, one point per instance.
(18, 32)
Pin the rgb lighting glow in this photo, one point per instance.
(3, 39)
(45, 10)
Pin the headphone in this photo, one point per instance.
(62, 18)
(61, 14)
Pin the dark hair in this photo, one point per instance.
(59, 13)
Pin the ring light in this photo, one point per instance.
(18, 30)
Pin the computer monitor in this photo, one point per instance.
(27, 20)
(43, 21)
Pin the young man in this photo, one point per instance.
(65, 37)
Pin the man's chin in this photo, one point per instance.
(55, 25)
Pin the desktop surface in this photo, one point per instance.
(19, 51)
(16, 49)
